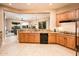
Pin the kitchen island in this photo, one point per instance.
(34, 36)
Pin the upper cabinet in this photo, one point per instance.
(77, 13)
(71, 15)
(68, 15)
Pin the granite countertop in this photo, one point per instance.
(45, 31)
(37, 32)
(68, 34)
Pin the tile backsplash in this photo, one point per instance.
(69, 27)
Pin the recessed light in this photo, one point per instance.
(50, 3)
(10, 3)
(28, 3)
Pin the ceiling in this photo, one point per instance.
(32, 6)
(24, 6)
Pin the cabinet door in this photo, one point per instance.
(77, 13)
(21, 37)
(26, 37)
(62, 40)
(71, 14)
(64, 16)
(67, 42)
(31, 37)
(78, 41)
(71, 42)
(58, 39)
(51, 38)
(37, 38)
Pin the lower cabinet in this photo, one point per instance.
(60, 39)
(52, 38)
(70, 42)
(23, 37)
(37, 38)
(66, 40)
(29, 37)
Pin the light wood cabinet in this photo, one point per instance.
(26, 37)
(29, 37)
(70, 42)
(37, 38)
(51, 38)
(68, 15)
(77, 13)
(67, 41)
(23, 37)
(72, 15)
(57, 39)
(60, 39)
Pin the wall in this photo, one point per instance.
(1, 26)
(69, 27)
(52, 19)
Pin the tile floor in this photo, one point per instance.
(13, 48)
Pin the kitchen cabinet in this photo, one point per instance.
(70, 43)
(68, 15)
(71, 15)
(26, 37)
(37, 38)
(23, 37)
(29, 37)
(77, 41)
(60, 39)
(66, 40)
(57, 39)
(52, 38)
(77, 13)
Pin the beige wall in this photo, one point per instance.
(8, 24)
(0, 20)
(52, 19)
(1, 26)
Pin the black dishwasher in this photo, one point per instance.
(43, 38)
